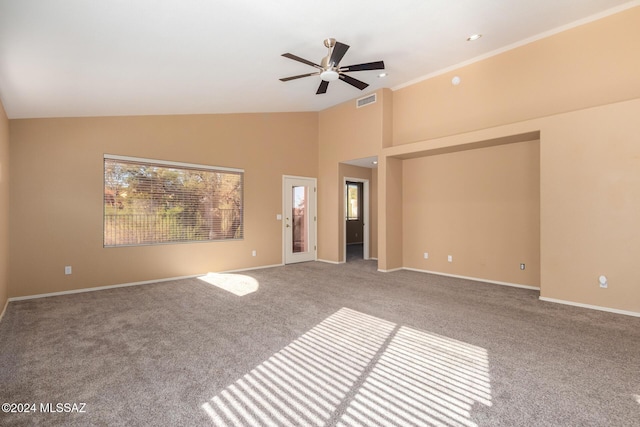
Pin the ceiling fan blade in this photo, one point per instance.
(297, 58)
(378, 65)
(323, 87)
(337, 53)
(353, 82)
(286, 79)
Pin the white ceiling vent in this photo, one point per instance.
(370, 99)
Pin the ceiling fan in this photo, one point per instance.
(330, 70)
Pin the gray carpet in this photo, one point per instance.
(355, 252)
(318, 344)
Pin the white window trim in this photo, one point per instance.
(169, 163)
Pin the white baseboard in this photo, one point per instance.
(592, 307)
(330, 262)
(477, 279)
(100, 288)
(6, 304)
(261, 267)
(391, 270)
(123, 285)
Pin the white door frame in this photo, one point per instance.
(313, 215)
(365, 216)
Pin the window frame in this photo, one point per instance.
(358, 187)
(174, 165)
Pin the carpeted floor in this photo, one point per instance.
(318, 344)
(355, 252)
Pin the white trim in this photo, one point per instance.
(4, 310)
(124, 285)
(330, 262)
(592, 307)
(477, 279)
(301, 177)
(520, 43)
(391, 270)
(373, 259)
(260, 267)
(170, 163)
(100, 288)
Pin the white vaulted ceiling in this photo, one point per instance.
(61, 58)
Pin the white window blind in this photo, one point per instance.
(150, 202)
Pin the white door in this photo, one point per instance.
(299, 219)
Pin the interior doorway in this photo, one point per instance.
(356, 219)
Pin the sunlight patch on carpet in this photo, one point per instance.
(354, 369)
(422, 379)
(637, 396)
(237, 284)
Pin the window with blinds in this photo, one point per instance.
(353, 201)
(149, 202)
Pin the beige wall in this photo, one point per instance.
(590, 197)
(482, 206)
(390, 213)
(4, 207)
(578, 92)
(57, 180)
(373, 219)
(586, 66)
(345, 133)
(589, 200)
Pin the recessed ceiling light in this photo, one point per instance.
(473, 37)
(382, 75)
(375, 162)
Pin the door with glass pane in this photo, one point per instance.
(299, 219)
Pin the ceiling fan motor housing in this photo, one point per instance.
(330, 42)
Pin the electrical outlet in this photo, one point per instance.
(604, 282)
(522, 266)
(253, 253)
(426, 255)
(67, 269)
(450, 258)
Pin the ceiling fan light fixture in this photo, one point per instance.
(329, 75)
